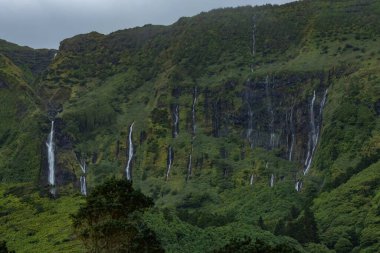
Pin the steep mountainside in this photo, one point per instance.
(252, 121)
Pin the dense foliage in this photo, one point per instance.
(110, 221)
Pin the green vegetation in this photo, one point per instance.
(35, 223)
(247, 106)
(111, 220)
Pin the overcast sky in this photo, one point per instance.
(44, 23)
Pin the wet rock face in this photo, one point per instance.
(62, 140)
(3, 85)
(279, 114)
(377, 107)
(275, 112)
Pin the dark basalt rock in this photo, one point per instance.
(62, 139)
(377, 107)
(3, 85)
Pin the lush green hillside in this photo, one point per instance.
(19, 130)
(243, 104)
(32, 61)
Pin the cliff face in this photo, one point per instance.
(228, 101)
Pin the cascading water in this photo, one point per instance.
(314, 132)
(130, 154)
(83, 185)
(251, 180)
(312, 137)
(83, 188)
(272, 181)
(51, 157)
(323, 102)
(193, 110)
(253, 40)
(292, 130)
(250, 124)
(189, 168)
(297, 187)
(169, 162)
(176, 121)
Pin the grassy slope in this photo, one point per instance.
(31, 223)
(19, 133)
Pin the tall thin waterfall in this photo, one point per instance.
(176, 121)
(51, 157)
(314, 131)
(253, 39)
(130, 154)
(313, 137)
(272, 180)
(292, 130)
(251, 180)
(323, 102)
(297, 186)
(83, 185)
(169, 162)
(189, 168)
(193, 110)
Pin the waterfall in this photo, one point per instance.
(83, 188)
(272, 180)
(176, 121)
(189, 168)
(251, 180)
(291, 147)
(169, 162)
(253, 40)
(293, 134)
(314, 132)
(50, 153)
(297, 187)
(83, 166)
(130, 154)
(323, 102)
(271, 113)
(83, 185)
(193, 110)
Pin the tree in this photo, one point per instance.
(111, 220)
(280, 228)
(4, 248)
(261, 223)
(247, 245)
(304, 228)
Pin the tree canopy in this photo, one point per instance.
(110, 221)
